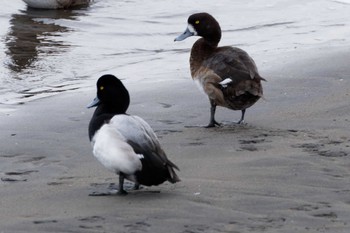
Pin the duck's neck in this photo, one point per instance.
(200, 51)
(96, 123)
(102, 115)
(111, 108)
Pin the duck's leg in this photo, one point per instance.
(212, 122)
(121, 190)
(241, 121)
(136, 186)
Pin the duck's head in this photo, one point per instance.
(111, 95)
(204, 25)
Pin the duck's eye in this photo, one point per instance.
(101, 88)
(197, 22)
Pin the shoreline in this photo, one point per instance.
(287, 170)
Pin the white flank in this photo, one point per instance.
(111, 149)
(225, 82)
(199, 85)
(135, 129)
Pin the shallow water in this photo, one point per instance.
(44, 52)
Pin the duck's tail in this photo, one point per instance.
(173, 176)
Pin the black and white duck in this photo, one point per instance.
(123, 143)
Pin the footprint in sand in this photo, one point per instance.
(139, 226)
(165, 105)
(44, 221)
(91, 221)
(320, 149)
(17, 173)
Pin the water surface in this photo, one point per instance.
(44, 52)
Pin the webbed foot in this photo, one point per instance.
(122, 192)
(212, 124)
(136, 186)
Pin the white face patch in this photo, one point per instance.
(192, 30)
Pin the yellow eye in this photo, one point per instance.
(197, 22)
(101, 88)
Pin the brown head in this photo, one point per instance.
(203, 25)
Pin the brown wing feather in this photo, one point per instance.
(235, 64)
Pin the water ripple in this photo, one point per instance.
(257, 27)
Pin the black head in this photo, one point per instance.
(112, 95)
(204, 25)
(112, 98)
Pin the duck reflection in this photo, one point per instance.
(35, 33)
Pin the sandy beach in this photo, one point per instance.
(286, 170)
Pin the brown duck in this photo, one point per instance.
(228, 75)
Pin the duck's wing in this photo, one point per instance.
(113, 151)
(237, 70)
(154, 170)
(141, 136)
(156, 167)
(233, 63)
(136, 130)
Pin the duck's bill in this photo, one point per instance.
(184, 35)
(94, 103)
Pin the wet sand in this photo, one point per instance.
(286, 170)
